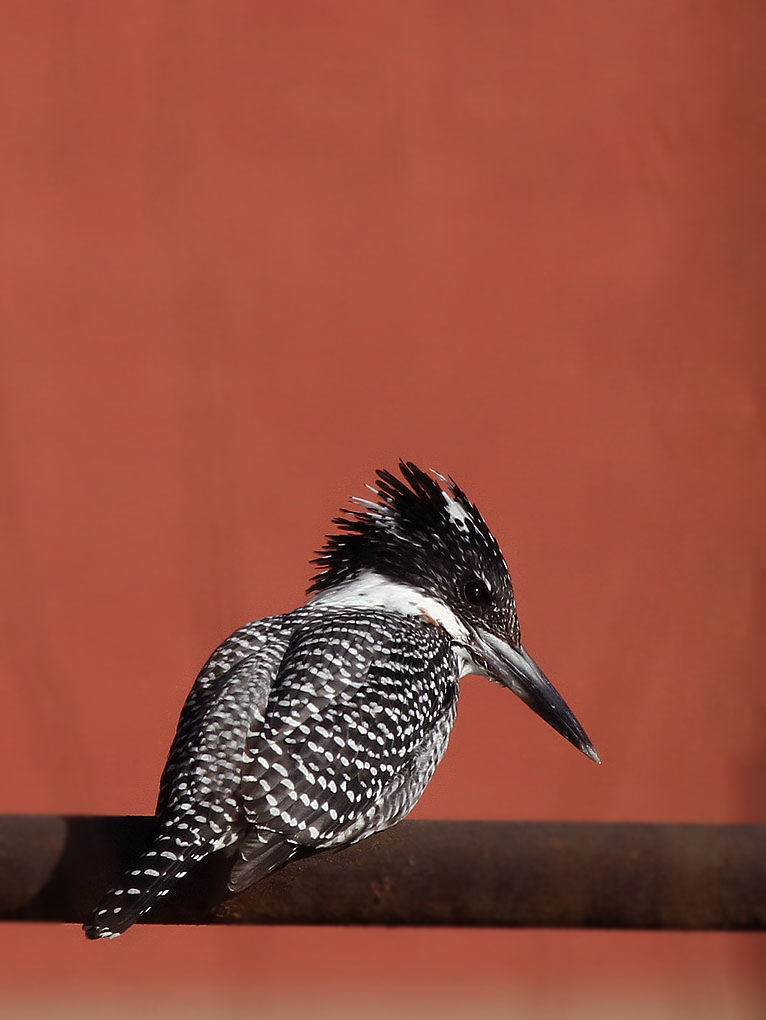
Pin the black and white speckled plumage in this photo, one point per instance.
(322, 726)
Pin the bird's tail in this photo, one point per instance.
(155, 872)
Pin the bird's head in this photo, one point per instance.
(422, 548)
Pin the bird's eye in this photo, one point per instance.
(476, 592)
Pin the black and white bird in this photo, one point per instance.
(322, 726)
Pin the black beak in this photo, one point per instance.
(514, 668)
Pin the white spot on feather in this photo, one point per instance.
(457, 513)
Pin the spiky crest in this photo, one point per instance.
(419, 526)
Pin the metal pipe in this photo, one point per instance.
(491, 874)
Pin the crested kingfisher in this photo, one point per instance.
(324, 725)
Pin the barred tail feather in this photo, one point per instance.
(151, 877)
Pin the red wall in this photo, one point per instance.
(250, 252)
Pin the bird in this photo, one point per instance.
(319, 727)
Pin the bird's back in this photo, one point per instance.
(362, 703)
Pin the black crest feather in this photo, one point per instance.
(411, 519)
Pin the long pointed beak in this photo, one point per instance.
(516, 669)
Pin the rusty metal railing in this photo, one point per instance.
(492, 874)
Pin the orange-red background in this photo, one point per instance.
(252, 251)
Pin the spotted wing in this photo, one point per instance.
(357, 698)
(226, 702)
